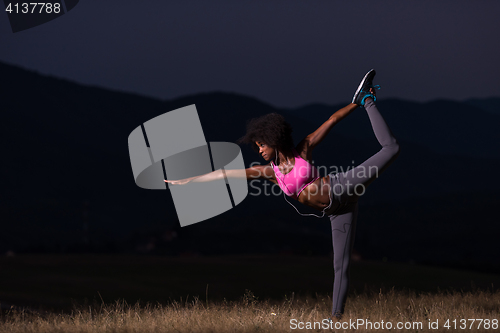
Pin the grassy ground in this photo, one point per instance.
(226, 294)
(385, 312)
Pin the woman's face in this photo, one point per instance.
(267, 152)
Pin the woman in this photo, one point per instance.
(335, 195)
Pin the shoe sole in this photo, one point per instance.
(362, 83)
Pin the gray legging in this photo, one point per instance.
(346, 188)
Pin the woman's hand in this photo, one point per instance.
(180, 181)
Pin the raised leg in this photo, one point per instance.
(370, 169)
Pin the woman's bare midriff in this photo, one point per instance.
(316, 194)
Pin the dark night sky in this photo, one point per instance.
(287, 53)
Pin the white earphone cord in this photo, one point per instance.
(324, 209)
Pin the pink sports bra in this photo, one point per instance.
(294, 182)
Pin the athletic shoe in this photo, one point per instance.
(363, 90)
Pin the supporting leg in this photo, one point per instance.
(343, 232)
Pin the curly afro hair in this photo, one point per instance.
(271, 129)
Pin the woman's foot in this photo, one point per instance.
(337, 316)
(365, 89)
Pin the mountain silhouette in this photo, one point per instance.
(67, 177)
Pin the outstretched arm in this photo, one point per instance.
(255, 172)
(313, 139)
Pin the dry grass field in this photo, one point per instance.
(390, 311)
(237, 294)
